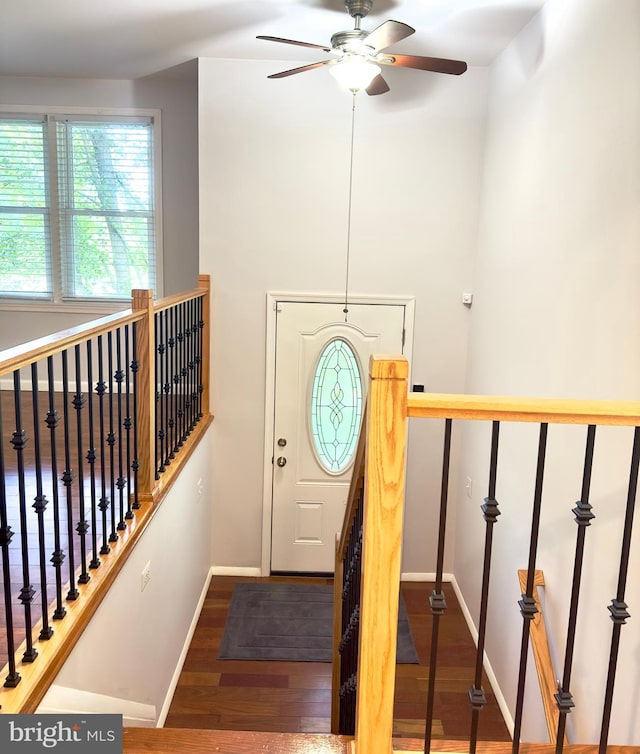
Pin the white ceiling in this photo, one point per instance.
(134, 38)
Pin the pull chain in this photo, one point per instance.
(346, 284)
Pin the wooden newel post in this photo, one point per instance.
(204, 281)
(142, 300)
(382, 548)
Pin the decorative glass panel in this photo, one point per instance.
(336, 406)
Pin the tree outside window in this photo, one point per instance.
(76, 207)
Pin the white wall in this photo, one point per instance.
(274, 159)
(174, 92)
(557, 313)
(131, 648)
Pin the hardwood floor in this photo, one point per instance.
(296, 697)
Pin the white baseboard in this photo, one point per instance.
(424, 577)
(60, 700)
(183, 654)
(502, 702)
(246, 571)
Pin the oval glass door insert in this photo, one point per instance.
(336, 406)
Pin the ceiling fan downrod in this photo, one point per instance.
(358, 7)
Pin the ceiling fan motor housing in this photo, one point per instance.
(349, 41)
(358, 7)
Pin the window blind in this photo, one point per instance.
(25, 268)
(77, 206)
(106, 192)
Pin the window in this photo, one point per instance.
(77, 206)
(336, 406)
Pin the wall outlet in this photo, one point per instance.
(469, 487)
(145, 576)
(199, 489)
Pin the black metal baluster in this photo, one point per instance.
(57, 556)
(40, 506)
(437, 600)
(162, 350)
(101, 389)
(111, 441)
(171, 344)
(356, 602)
(193, 391)
(82, 526)
(157, 322)
(67, 479)
(91, 460)
(19, 441)
(527, 604)
(618, 607)
(194, 338)
(350, 623)
(176, 379)
(344, 646)
(200, 352)
(135, 466)
(187, 372)
(490, 512)
(12, 679)
(121, 480)
(128, 423)
(182, 373)
(583, 517)
(166, 388)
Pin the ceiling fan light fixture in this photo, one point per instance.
(354, 73)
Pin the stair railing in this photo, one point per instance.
(95, 424)
(376, 499)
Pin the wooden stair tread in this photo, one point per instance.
(197, 741)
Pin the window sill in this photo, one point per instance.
(101, 308)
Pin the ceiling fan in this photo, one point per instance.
(360, 54)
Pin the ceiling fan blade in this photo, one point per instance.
(377, 86)
(388, 33)
(303, 68)
(295, 42)
(438, 65)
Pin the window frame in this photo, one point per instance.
(57, 301)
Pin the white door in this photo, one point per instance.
(321, 375)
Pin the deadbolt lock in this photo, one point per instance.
(282, 461)
(282, 442)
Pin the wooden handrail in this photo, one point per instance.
(386, 426)
(499, 408)
(24, 354)
(167, 302)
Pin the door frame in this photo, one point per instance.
(273, 298)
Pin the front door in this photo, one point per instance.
(321, 377)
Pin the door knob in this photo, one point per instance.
(282, 442)
(282, 461)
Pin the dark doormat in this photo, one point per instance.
(278, 621)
